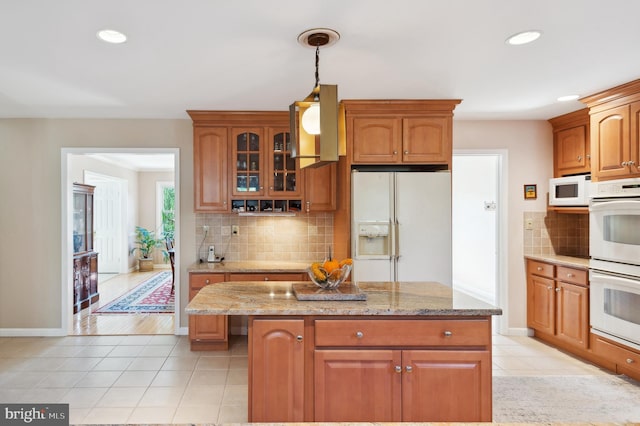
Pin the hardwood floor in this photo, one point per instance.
(86, 323)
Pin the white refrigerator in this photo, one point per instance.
(401, 226)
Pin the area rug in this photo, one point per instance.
(554, 399)
(151, 296)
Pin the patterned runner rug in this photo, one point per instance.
(566, 399)
(151, 296)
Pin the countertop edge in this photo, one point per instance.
(576, 262)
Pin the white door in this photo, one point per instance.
(475, 219)
(107, 201)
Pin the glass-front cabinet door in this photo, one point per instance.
(82, 218)
(248, 167)
(284, 173)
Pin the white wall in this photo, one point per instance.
(530, 161)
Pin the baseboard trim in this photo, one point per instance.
(32, 332)
(511, 331)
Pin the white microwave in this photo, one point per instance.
(569, 190)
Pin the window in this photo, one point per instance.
(165, 202)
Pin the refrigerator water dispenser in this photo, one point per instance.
(373, 240)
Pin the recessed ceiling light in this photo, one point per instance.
(112, 36)
(524, 37)
(568, 98)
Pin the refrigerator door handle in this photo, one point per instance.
(396, 239)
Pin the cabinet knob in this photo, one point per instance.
(570, 275)
(408, 368)
(406, 153)
(631, 162)
(447, 333)
(299, 338)
(630, 361)
(624, 163)
(549, 287)
(266, 278)
(557, 289)
(395, 152)
(539, 268)
(359, 334)
(398, 369)
(206, 281)
(579, 157)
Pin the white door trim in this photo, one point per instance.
(66, 246)
(502, 259)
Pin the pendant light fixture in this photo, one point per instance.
(315, 120)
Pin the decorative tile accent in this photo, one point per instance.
(305, 237)
(557, 233)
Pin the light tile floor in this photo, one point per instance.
(157, 379)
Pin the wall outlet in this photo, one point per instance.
(235, 229)
(205, 228)
(528, 224)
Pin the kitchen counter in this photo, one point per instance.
(406, 340)
(250, 266)
(383, 298)
(575, 262)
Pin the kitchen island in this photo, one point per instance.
(413, 352)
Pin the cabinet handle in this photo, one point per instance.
(408, 368)
(624, 163)
(359, 334)
(539, 268)
(588, 156)
(206, 281)
(630, 361)
(549, 287)
(395, 152)
(570, 275)
(398, 369)
(557, 289)
(406, 153)
(579, 157)
(447, 333)
(266, 278)
(631, 162)
(299, 338)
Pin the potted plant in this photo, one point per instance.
(147, 243)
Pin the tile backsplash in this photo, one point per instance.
(557, 233)
(305, 237)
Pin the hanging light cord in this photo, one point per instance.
(317, 65)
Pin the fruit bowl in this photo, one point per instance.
(328, 280)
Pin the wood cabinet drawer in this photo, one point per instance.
(540, 268)
(283, 276)
(624, 358)
(437, 332)
(572, 275)
(197, 281)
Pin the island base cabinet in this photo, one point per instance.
(207, 332)
(357, 386)
(276, 370)
(410, 386)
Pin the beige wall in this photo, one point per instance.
(30, 163)
(30, 225)
(530, 161)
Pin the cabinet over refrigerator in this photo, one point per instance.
(401, 225)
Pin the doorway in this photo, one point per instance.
(120, 206)
(479, 225)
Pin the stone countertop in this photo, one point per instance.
(255, 266)
(576, 262)
(383, 298)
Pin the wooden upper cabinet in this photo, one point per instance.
(571, 143)
(376, 139)
(285, 178)
(248, 165)
(610, 129)
(320, 193)
(210, 150)
(400, 132)
(426, 140)
(615, 132)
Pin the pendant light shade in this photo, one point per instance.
(315, 120)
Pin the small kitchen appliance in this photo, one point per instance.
(212, 258)
(569, 191)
